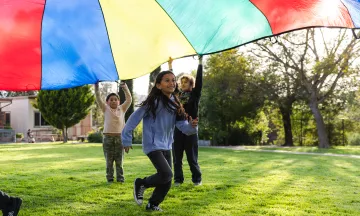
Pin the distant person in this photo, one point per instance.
(114, 122)
(30, 136)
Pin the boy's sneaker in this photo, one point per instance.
(139, 190)
(151, 207)
(14, 208)
(197, 183)
(110, 181)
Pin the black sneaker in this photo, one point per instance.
(151, 207)
(109, 181)
(139, 190)
(14, 208)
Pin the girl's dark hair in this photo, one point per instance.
(155, 96)
(112, 94)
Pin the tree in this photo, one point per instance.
(352, 107)
(227, 98)
(277, 87)
(350, 118)
(3, 94)
(65, 108)
(318, 63)
(130, 85)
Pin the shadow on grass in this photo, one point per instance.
(261, 198)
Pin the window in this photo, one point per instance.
(39, 120)
(7, 118)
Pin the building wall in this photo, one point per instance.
(3, 103)
(2, 119)
(37, 130)
(19, 114)
(81, 128)
(22, 118)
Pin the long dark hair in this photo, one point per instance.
(156, 96)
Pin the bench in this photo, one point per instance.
(81, 137)
(50, 137)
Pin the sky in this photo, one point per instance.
(186, 65)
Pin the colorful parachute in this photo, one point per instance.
(53, 44)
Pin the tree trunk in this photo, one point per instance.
(65, 135)
(286, 113)
(214, 141)
(228, 136)
(320, 125)
(130, 84)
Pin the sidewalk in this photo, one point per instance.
(241, 148)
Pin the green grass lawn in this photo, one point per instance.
(69, 179)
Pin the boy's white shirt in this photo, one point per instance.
(114, 122)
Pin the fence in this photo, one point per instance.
(305, 131)
(7, 135)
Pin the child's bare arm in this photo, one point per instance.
(128, 99)
(170, 64)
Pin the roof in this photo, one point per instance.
(5, 100)
(21, 97)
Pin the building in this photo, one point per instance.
(19, 113)
(6, 135)
(4, 116)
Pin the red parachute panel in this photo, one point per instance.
(295, 14)
(20, 52)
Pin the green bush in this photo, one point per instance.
(138, 133)
(19, 135)
(101, 128)
(7, 126)
(353, 139)
(95, 137)
(56, 131)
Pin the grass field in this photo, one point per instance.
(69, 179)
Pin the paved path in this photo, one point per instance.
(241, 148)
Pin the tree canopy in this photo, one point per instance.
(65, 108)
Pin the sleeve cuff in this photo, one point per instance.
(126, 144)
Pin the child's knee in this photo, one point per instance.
(166, 176)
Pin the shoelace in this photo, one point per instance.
(141, 191)
(11, 213)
